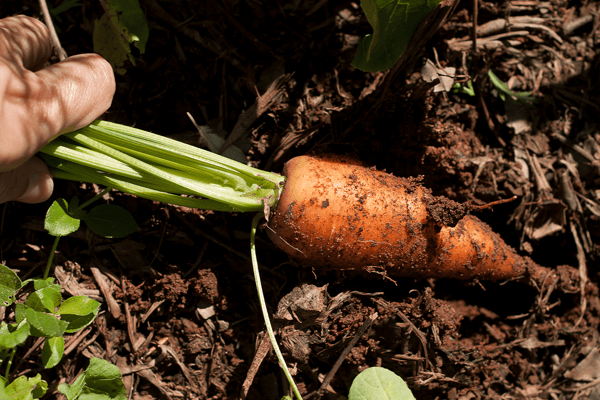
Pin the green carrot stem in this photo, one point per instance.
(158, 168)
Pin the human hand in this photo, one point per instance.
(37, 104)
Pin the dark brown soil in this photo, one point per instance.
(182, 289)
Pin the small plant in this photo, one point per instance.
(122, 24)
(45, 314)
(378, 383)
(461, 88)
(504, 92)
(394, 23)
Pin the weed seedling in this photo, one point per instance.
(45, 314)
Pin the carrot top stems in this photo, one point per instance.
(158, 168)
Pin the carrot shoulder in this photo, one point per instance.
(348, 217)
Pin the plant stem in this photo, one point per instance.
(51, 256)
(9, 363)
(96, 197)
(263, 306)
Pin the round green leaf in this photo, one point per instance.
(23, 387)
(101, 379)
(110, 221)
(45, 325)
(42, 283)
(45, 299)
(58, 222)
(9, 284)
(78, 312)
(13, 335)
(53, 351)
(378, 383)
(79, 305)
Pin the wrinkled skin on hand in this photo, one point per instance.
(38, 103)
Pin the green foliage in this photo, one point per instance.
(462, 89)
(13, 335)
(100, 381)
(79, 312)
(110, 221)
(105, 220)
(44, 314)
(50, 317)
(378, 383)
(52, 351)
(9, 284)
(123, 24)
(59, 221)
(23, 388)
(45, 299)
(393, 22)
(154, 167)
(503, 91)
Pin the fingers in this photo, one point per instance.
(79, 90)
(37, 106)
(29, 183)
(25, 42)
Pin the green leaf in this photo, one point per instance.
(100, 381)
(110, 221)
(124, 23)
(22, 388)
(40, 390)
(42, 283)
(45, 299)
(74, 203)
(393, 22)
(73, 390)
(378, 383)
(53, 351)
(44, 325)
(13, 335)
(79, 312)
(9, 284)
(58, 220)
(20, 312)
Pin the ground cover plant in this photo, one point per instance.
(446, 338)
(45, 315)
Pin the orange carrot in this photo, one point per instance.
(348, 217)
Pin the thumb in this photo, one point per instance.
(28, 183)
(80, 89)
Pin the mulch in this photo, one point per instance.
(180, 314)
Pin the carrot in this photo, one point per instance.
(330, 211)
(349, 217)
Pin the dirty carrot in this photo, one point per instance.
(349, 217)
(323, 211)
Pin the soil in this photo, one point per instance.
(181, 298)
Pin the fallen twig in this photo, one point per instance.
(62, 54)
(345, 353)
